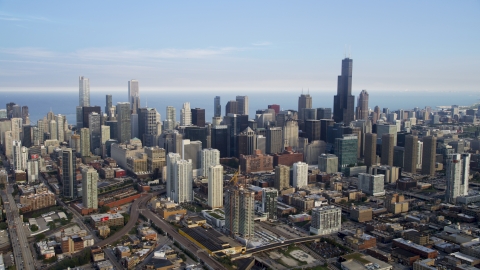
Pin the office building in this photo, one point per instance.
(247, 142)
(262, 143)
(456, 176)
(275, 108)
(387, 149)
(326, 220)
(209, 157)
(133, 95)
(372, 185)
(170, 120)
(282, 177)
(95, 132)
(85, 142)
(269, 202)
(411, 150)
(86, 111)
(370, 149)
(217, 107)
(346, 150)
(304, 102)
(69, 177)
(124, 125)
(215, 186)
(239, 212)
(429, 154)
(362, 105)
(231, 107)
(300, 174)
(186, 115)
(84, 91)
(290, 134)
(242, 105)
(108, 105)
(387, 129)
(343, 102)
(53, 130)
(198, 117)
(149, 126)
(89, 188)
(328, 163)
(312, 151)
(274, 140)
(324, 113)
(312, 130)
(60, 128)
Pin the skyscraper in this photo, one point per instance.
(198, 117)
(170, 120)
(53, 130)
(124, 124)
(172, 159)
(217, 107)
(269, 202)
(108, 104)
(95, 132)
(304, 102)
(370, 149)
(183, 181)
(457, 173)
(133, 95)
(387, 149)
(209, 157)
(239, 212)
(343, 102)
(215, 186)
(326, 220)
(290, 134)
(89, 188)
(61, 128)
(69, 180)
(362, 105)
(84, 91)
(186, 115)
(282, 177)
(346, 150)
(274, 140)
(429, 153)
(300, 174)
(312, 130)
(242, 105)
(411, 150)
(231, 107)
(85, 142)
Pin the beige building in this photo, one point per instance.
(396, 204)
(361, 213)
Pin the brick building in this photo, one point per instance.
(106, 220)
(287, 158)
(256, 163)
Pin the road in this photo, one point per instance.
(201, 254)
(21, 250)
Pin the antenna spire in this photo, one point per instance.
(345, 51)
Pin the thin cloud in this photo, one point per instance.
(27, 52)
(8, 17)
(264, 43)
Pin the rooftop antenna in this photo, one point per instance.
(302, 90)
(345, 51)
(146, 103)
(308, 91)
(350, 51)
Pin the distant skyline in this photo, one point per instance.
(223, 46)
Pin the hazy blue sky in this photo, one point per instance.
(264, 45)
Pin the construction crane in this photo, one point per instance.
(234, 179)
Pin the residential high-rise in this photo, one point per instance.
(172, 159)
(186, 115)
(84, 91)
(89, 188)
(373, 185)
(326, 220)
(269, 202)
(239, 212)
(85, 142)
(19, 156)
(53, 130)
(86, 111)
(69, 177)
(346, 150)
(456, 175)
(124, 124)
(242, 105)
(429, 154)
(133, 95)
(198, 117)
(25, 115)
(95, 133)
(108, 105)
(328, 163)
(33, 170)
(387, 129)
(370, 149)
(183, 181)
(217, 107)
(282, 177)
(170, 120)
(300, 174)
(215, 186)
(362, 105)
(274, 140)
(191, 151)
(290, 134)
(61, 128)
(411, 150)
(343, 102)
(304, 102)
(387, 149)
(209, 157)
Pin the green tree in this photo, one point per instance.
(104, 209)
(34, 228)
(40, 237)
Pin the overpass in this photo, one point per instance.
(285, 243)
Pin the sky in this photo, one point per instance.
(240, 45)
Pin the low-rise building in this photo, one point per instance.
(361, 213)
(358, 261)
(424, 252)
(106, 220)
(122, 252)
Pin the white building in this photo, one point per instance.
(373, 185)
(33, 170)
(456, 176)
(300, 174)
(19, 153)
(208, 157)
(89, 188)
(215, 186)
(326, 220)
(84, 91)
(183, 181)
(186, 115)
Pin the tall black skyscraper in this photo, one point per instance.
(343, 102)
(217, 107)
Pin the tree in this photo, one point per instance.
(34, 228)
(3, 225)
(51, 225)
(104, 209)
(40, 237)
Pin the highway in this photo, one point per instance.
(201, 254)
(23, 255)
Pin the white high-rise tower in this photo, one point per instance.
(84, 91)
(209, 157)
(300, 174)
(186, 115)
(457, 173)
(215, 186)
(89, 188)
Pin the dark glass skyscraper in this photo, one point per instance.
(344, 102)
(217, 107)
